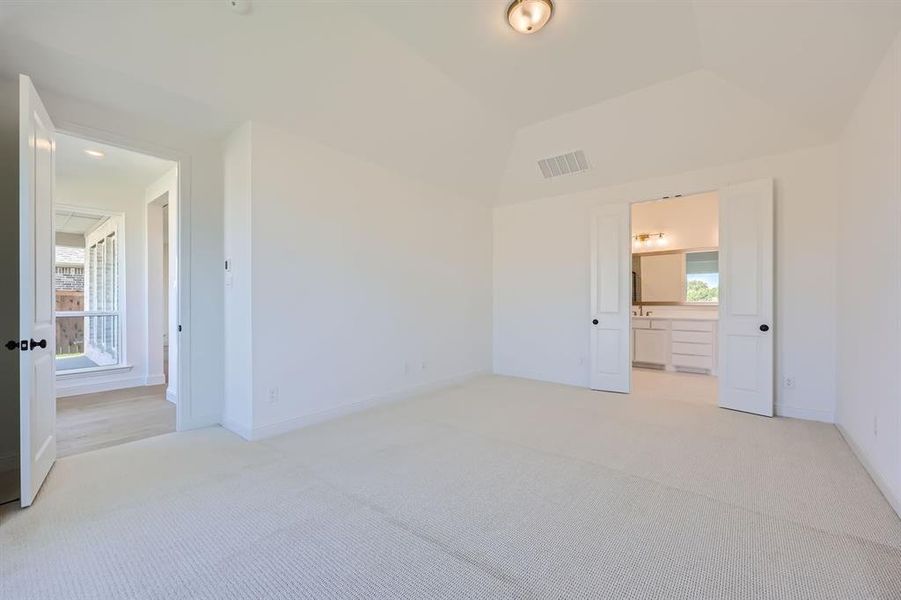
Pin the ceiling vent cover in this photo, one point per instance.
(565, 164)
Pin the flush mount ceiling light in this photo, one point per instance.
(95, 153)
(528, 16)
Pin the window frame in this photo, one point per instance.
(114, 223)
(685, 278)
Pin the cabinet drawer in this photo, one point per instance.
(693, 349)
(693, 325)
(693, 337)
(659, 324)
(694, 362)
(641, 324)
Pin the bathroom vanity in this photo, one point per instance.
(675, 343)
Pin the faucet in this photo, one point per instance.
(641, 312)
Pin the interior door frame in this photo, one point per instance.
(183, 407)
(629, 257)
(158, 196)
(716, 190)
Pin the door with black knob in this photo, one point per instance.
(37, 329)
(746, 297)
(25, 345)
(611, 298)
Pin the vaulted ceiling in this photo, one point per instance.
(446, 92)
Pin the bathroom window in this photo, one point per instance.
(702, 277)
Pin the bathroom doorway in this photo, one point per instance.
(675, 298)
(677, 281)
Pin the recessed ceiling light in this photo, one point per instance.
(528, 16)
(95, 153)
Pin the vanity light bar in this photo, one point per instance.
(646, 240)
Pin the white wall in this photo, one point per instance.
(689, 222)
(366, 284)
(155, 324)
(541, 275)
(204, 173)
(125, 197)
(237, 413)
(869, 265)
(161, 231)
(689, 122)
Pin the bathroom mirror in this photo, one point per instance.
(676, 277)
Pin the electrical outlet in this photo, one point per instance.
(789, 383)
(273, 395)
(875, 426)
(406, 368)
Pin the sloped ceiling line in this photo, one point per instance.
(445, 92)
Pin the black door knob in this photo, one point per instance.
(764, 328)
(34, 344)
(12, 345)
(594, 322)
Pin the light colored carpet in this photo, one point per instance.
(500, 488)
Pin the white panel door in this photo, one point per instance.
(746, 297)
(611, 294)
(37, 367)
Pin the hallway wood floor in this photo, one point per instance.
(93, 421)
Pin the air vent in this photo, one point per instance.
(565, 164)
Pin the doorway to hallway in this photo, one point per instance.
(114, 283)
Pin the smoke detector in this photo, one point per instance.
(241, 7)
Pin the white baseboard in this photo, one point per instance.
(267, 431)
(170, 395)
(159, 379)
(237, 428)
(76, 388)
(191, 422)
(893, 499)
(810, 414)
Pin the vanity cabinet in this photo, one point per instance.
(650, 342)
(675, 344)
(693, 345)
